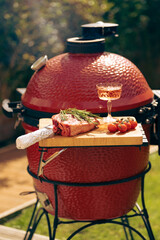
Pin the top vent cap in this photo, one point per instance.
(99, 30)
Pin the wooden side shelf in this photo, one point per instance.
(97, 137)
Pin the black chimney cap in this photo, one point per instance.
(98, 30)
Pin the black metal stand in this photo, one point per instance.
(123, 220)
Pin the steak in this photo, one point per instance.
(71, 126)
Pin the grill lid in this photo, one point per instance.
(69, 80)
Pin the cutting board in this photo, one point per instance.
(97, 137)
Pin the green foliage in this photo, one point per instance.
(31, 29)
(139, 34)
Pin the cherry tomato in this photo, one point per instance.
(128, 124)
(122, 127)
(112, 127)
(133, 123)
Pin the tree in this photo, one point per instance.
(139, 34)
(31, 29)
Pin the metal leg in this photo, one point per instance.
(125, 220)
(35, 219)
(92, 223)
(56, 220)
(144, 212)
(31, 220)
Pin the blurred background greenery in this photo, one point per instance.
(31, 29)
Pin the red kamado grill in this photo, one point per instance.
(68, 81)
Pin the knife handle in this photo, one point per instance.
(29, 139)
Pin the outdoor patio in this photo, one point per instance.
(14, 179)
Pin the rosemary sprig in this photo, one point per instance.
(78, 114)
(63, 115)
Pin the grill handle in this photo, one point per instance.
(8, 112)
(158, 127)
(157, 96)
(31, 138)
(9, 108)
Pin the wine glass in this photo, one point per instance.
(109, 92)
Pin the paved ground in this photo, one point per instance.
(7, 233)
(14, 179)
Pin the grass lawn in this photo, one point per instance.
(105, 231)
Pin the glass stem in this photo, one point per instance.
(109, 107)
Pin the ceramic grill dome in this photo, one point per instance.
(67, 81)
